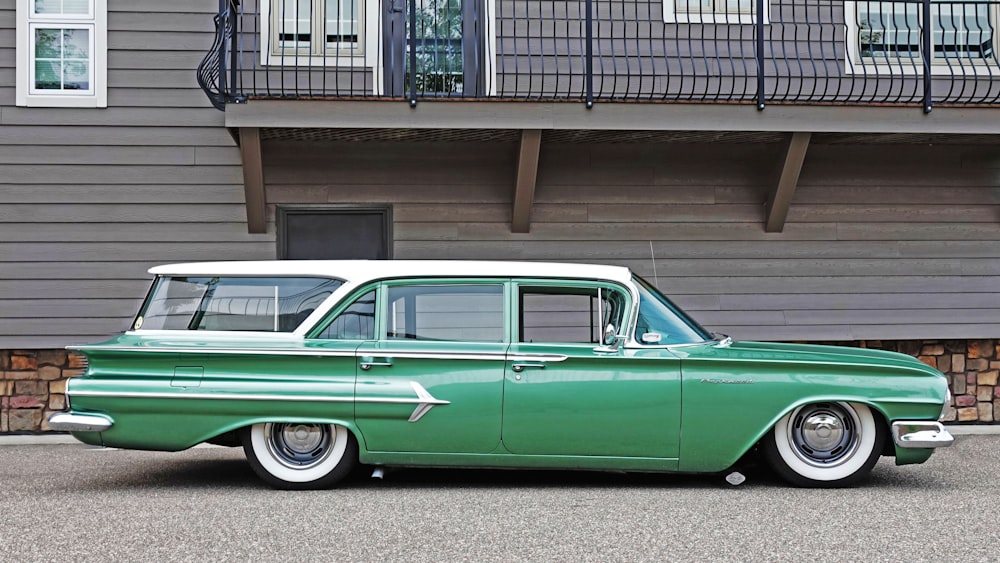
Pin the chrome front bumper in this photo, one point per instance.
(71, 422)
(921, 434)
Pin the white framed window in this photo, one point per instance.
(884, 36)
(713, 11)
(62, 53)
(317, 32)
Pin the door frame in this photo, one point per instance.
(479, 47)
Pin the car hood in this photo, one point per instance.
(816, 354)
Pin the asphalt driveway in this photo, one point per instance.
(71, 502)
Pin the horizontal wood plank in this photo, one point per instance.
(122, 251)
(97, 135)
(126, 213)
(118, 174)
(147, 194)
(228, 233)
(822, 303)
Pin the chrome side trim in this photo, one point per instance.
(921, 434)
(71, 422)
(324, 353)
(248, 397)
(424, 401)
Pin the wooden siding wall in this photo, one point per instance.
(882, 242)
(90, 198)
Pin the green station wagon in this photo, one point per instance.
(315, 367)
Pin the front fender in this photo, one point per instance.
(728, 406)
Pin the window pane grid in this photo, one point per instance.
(893, 30)
(294, 24)
(62, 59)
(713, 7)
(341, 21)
(310, 27)
(63, 8)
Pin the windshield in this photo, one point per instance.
(269, 304)
(659, 316)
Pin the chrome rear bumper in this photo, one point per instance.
(71, 422)
(921, 434)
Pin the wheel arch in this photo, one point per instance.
(878, 410)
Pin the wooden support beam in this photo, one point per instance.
(780, 198)
(527, 174)
(253, 179)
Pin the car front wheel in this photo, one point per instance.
(832, 444)
(300, 455)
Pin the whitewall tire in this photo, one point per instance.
(300, 455)
(831, 444)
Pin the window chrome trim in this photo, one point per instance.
(502, 356)
(233, 351)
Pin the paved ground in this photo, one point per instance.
(71, 502)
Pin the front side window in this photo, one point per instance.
(892, 31)
(62, 53)
(315, 28)
(471, 313)
(661, 322)
(712, 11)
(568, 314)
(265, 304)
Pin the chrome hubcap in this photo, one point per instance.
(298, 446)
(822, 431)
(824, 434)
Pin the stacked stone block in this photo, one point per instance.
(32, 386)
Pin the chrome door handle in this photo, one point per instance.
(367, 363)
(520, 367)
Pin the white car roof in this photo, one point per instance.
(361, 271)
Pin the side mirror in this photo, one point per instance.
(609, 340)
(610, 335)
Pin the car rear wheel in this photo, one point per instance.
(832, 444)
(300, 455)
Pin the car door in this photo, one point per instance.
(567, 393)
(433, 381)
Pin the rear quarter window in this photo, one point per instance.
(261, 304)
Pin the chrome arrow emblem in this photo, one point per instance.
(427, 402)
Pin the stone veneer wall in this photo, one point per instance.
(32, 382)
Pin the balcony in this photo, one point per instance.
(592, 51)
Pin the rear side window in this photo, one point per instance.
(265, 304)
(471, 313)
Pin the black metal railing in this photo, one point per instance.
(212, 69)
(906, 52)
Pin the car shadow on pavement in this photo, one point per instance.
(161, 471)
